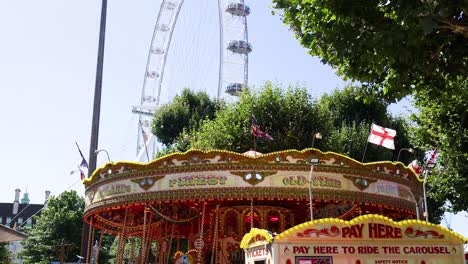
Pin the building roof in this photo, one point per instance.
(8, 235)
(24, 211)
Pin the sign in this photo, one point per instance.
(368, 239)
(198, 243)
(158, 186)
(197, 180)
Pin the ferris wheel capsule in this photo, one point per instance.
(238, 9)
(239, 46)
(170, 5)
(234, 88)
(163, 27)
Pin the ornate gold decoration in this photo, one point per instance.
(156, 166)
(194, 160)
(253, 177)
(148, 182)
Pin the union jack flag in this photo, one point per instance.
(431, 156)
(256, 130)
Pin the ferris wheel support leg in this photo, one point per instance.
(221, 49)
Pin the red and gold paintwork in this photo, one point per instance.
(204, 199)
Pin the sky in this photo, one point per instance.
(48, 54)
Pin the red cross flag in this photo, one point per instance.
(382, 136)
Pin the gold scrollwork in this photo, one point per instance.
(253, 177)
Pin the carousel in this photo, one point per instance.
(195, 207)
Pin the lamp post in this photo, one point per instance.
(108, 158)
(312, 162)
(103, 150)
(96, 115)
(316, 136)
(410, 150)
(429, 166)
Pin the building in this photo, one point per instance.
(19, 213)
(18, 216)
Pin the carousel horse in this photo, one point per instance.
(184, 258)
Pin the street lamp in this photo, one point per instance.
(410, 150)
(429, 166)
(312, 162)
(316, 136)
(103, 150)
(108, 158)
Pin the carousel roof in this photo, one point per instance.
(306, 156)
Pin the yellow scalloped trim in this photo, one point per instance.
(189, 152)
(367, 217)
(253, 233)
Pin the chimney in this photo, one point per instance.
(47, 194)
(16, 202)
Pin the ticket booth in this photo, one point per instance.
(257, 246)
(367, 239)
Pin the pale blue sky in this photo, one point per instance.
(48, 55)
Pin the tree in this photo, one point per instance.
(399, 48)
(393, 48)
(292, 117)
(182, 115)
(61, 220)
(345, 107)
(4, 253)
(445, 126)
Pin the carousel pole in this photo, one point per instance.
(155, 250)
(122, 240)
(145, 236)
(170, 244)
(162, 255)
(99, 246)
(215, 235)
(132, 249)
(149, 239)
(201, 233)
(90, 240)
(251, 214)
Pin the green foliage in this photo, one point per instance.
(292, 117)
(399, 48)
(289, 116)
(106, 254)
(60, 221)
(184, 113)
(345, 106)
(350, 140)
(129, 243)
(394, 48)
(4, 253)
(442, 122)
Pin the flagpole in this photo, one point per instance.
(147, 155)
(144, 143)
(365, 149)
(255, 145)
(367, 142)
